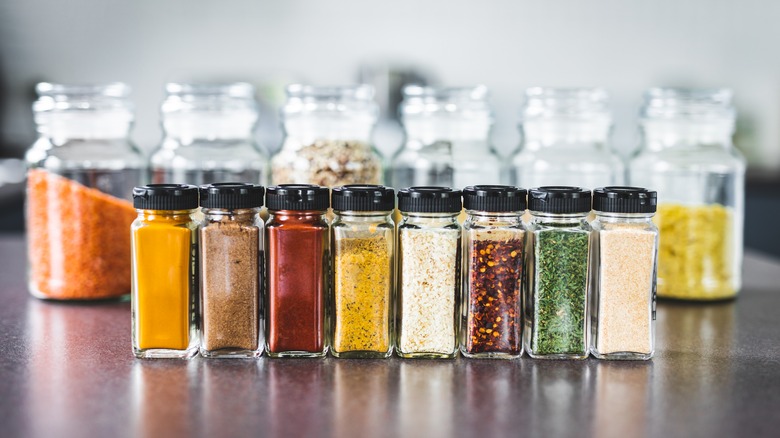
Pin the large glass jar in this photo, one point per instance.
(687, 156)
(447, 139)
(565, 140)
(208, 135)
(328, 137)
(82, 170)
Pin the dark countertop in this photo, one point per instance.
(67, 370)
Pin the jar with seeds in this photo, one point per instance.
(328, 137)
(429, 272)
(493, 242)
(556, 311)
(625, 253)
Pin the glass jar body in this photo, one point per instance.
(493, 255)
(81, 173)
(328, 138)
(231, 243)
(297, 256)
(208, 136)
(164, 280)
(428, 285)
(624, 262)
(557, 286)
(363, 245)
(700, 180)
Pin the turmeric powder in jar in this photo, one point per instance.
(164, 290)
(363, 265)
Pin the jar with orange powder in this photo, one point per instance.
(82, 170)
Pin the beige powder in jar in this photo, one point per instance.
(328, 163)
(625, 297)
(429, 270)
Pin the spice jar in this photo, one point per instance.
(429, 273)
(493, 245)
(297, 265)
(80, 179)
(556, 316)
(363, 245)
(565, 140)
(625, 247)
(328, 137)
(230, 258)
(447, 138)
(208, 135)
(164, 299)
(687, 156)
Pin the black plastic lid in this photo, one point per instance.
(429, 199)
(494, 199)
(299, 197)
(165, 197)
(362, 197)
(621, 199)
(231, 196)
(559, 199)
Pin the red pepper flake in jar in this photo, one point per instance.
(494, 244)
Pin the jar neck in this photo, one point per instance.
(558, 218)
(362, 216)
(428, 129)
(664, 134)
(235, 215)
(413, 218)
(63, 126)
(178, 216)
(307, 129)
(623, 217)
(189, 127)
(547, 133)
(511, 217)
(298, 216)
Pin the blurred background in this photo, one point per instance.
(624, 46)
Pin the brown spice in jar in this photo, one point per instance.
(230, 285)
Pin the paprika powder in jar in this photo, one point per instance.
(493, 243)
(297, 265)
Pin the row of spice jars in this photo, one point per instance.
(428, 317)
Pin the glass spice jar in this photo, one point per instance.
(447, 138)
(80, 179)
(208, 135)
(625, 251)
(164, 274)
(297, 257)
(565, 140)
(231, 236)
(363, 245)
(429, 272)
(493, 246)
(328, 137)
(687, 155)
(556, 304)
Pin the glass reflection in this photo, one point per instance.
(561, 395)
(495, 394)
(233, 393)
(163, 394)
(622, 399)
(426, 398)
(361, 397)
(298, 392)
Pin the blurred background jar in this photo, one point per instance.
(328, 137)
(688, 157)
(447, 138)
(565, 140)
(208, 135)
(81, 174)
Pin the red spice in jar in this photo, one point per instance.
(494, 323)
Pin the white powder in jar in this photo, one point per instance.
(626, 267)
(429, 261)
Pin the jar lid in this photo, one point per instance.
(165, 197)
(231, 195)
(559, 199)
(494, 198)
(363, 197)
(429, 199)
(620, 199)
(299, 197)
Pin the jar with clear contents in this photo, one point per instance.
(624, 255)
(363, 246)
(429, 272)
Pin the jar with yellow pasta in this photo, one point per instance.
(688, 156)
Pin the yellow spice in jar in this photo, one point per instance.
(362, 284)
(695, 260)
